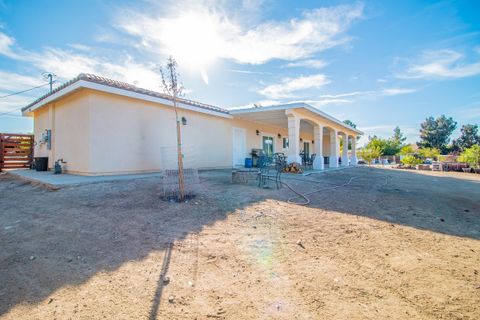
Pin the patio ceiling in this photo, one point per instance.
(276, 118)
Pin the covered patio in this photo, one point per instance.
(310, 132)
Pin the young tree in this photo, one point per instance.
(369, 154)
(469, 137)
(174, 89)
(433, 153)
(435, 133)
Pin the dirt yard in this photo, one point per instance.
(391, 244)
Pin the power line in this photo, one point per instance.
(19, 92)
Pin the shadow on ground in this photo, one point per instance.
(53, 239)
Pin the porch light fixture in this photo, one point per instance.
(301, 140)
(258, 132)
(313, 141)
(184, 121)
(279, 136)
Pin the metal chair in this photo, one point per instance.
(309, 161)
(264, 174)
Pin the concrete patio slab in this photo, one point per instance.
(56, 181)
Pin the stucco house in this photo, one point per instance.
(100, 126)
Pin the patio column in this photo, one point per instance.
(354, 159)
(334, 146)
(293, 137)
(318, 138)
(345, 151)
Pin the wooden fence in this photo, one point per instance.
(16, 151)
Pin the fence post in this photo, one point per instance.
(1, 152)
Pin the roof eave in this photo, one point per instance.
(294, 106)
(122, 92)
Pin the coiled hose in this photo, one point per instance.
(304, 195)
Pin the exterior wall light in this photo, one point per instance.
(184, 121)
(279, 136)
(301, 140)
(257, 132)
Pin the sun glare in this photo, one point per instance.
(194, 40)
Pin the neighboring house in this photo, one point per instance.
(101, 126)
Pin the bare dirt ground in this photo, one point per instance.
(390, 245)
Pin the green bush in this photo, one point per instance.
(471, 156)
(370, 154)
(429, 153)
(411, 161)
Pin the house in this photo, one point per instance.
(100, 126)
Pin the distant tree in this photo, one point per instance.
(435, 133)
(350, 123)
(469, 136)
(369, 154)
(406, 150)
(433, 153)
(398, 137)
(387, 146)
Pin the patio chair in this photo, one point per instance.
(309, 161)
(265, 174)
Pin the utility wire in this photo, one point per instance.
(20, 92)
(15, 93)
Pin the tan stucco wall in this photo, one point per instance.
(101, 133)
(69, 121)
(132, 135)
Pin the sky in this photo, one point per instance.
(379, 64)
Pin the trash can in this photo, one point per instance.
(41, 163)
(248, 162)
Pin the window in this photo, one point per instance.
(285, 143)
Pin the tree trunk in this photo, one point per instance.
(181, 180)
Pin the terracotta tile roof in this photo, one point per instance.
(125, 86)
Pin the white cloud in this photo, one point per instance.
(67, 64)
(310, 63)
(211, 33)
(10, 81)
(441, 64)
(6, 44)
(397, 91)
(288, 86)
(347, 94)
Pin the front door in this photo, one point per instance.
(267, 145)
(306, 149)
(239, 146)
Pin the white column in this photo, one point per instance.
(293, 138)
(334, 146)
(345, 151)
(318, 138)
(354, 159)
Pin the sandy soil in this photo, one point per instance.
(392, 244)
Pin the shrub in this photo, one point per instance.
(370, 154)
(429, 153)
(411, 161)
(471, 156)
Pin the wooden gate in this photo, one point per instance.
(16, 151)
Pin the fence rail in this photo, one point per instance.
(16, 151)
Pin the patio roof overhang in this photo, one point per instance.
(276, 116)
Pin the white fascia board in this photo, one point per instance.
(121, 92)
(293, 106)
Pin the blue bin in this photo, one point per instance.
(248, 162)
